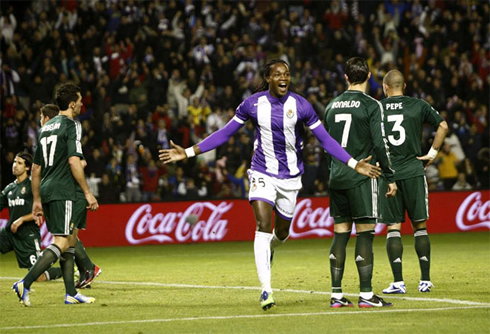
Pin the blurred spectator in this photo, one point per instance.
(132, 59)
(447, 164)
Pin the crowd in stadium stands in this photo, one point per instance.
(155, 71)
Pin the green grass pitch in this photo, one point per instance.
(213, 288)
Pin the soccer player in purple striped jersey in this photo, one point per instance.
(279, 116)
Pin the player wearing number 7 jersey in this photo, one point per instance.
(404, 120)
(279, 116)
(354, 119)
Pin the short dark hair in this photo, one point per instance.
(66, 94)
(50, 110)
(357, 70)
(27, 159)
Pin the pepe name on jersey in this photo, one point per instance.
(394, 106)
(345, 104)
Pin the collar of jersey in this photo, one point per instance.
(281, 99)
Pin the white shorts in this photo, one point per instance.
(280, 193)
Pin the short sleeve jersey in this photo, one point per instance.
(17, 197)
(279, 124)
(404, 120)
(57, 142)
(354, 119)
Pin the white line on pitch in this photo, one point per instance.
(193, 286)
(251, 316)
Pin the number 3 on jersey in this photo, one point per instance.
(398, 119)
(49, 143)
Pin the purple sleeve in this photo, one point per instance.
(221, 136)
(330, 145)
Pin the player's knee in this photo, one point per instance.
(419, 225)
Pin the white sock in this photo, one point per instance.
(262, 253)
(337, 295)
(367, 295)
(276, 242)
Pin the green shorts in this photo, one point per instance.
(358, 205)
(412, 195)
(80, 213)
(26, 249)
(59, 217)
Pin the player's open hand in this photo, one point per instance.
(92, 203)
(174, 154)
(426, 160)
(363, 167)
(37, 212)
(392, 188)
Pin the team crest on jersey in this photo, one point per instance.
(254, 187)
(23, 190)
(290, 113)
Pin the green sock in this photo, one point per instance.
(53, 273)
(337, 259)
(364, 259)
(394, 248)
(422, 247)
(82, 259)
(47, 258)
(67, 264)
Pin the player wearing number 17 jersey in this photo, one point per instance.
(56, 170)
(404, 120)
(279, 116)
(354, 119)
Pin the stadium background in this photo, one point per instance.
(152, 71)
(125, 55)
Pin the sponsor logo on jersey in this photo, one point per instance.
(16, 202)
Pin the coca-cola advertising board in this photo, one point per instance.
(233, 220)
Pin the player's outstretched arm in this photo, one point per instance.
(177, 153)
(363, 167)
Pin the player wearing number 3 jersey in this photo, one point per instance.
(279, 116)
(354, 119)
(404, 120)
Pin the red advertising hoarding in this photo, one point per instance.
(233, 220)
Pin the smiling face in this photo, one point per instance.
(279, 80)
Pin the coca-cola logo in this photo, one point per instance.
(144, 226)
(310, 221)
(473, 213)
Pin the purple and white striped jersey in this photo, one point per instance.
(279, 125)
(279, 128)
